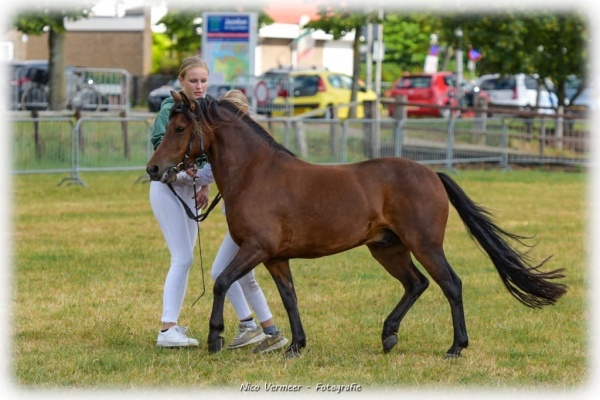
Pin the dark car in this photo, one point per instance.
(158, 95)
(469, 91)
(30, 87)
(437, 89)
(24, 76)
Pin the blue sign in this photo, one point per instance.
(228, 28)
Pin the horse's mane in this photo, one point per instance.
(210, 103)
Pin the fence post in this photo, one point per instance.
(126, 150)
(344, 152)
(480, 122)
(450, 143)
(400, 112)
(558, 129)
(372, 139)
(300, 138)
(399, 138)
(334, 139)
(39, 147)
(504, 159)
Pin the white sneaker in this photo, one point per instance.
(175, 337)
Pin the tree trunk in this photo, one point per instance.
(355, 70)
(56, 71)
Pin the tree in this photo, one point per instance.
(338, 23)
(51, 21)
(551, 45)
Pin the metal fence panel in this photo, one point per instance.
(87, 89)
(42, 145)
(112, 143)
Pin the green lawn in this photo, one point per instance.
(90, 262)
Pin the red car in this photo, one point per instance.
(438, 89)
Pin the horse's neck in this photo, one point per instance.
(237, 152)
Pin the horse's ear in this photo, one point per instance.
(189, 103)
(176, 96)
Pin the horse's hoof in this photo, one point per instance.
(389, 343)
(215, 347)
(291, 352)
(452, 356)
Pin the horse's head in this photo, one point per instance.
(182, 143)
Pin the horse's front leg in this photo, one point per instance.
(280, 271)
(241, 264)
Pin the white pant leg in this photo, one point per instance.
(255, 296)
(225, 254)
(246, 289)
(180, 233)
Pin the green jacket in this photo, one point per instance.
(160, 123)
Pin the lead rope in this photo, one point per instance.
(199, 241)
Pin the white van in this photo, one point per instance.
(519, 91)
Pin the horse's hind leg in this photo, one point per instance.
(280, 271)
(397, 261)
(436, 264)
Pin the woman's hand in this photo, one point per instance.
(202, 197)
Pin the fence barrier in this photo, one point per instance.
(118, 143)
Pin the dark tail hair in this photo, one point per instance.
(524, 281)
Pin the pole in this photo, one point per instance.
(379, 60)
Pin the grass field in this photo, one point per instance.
(89, 264)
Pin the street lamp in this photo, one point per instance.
(459, 63)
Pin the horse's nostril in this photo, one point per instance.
(152, 170)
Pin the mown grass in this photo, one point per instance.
(89, 264)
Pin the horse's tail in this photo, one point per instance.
(524, 281)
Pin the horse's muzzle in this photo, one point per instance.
(168, 176)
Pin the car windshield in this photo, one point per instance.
(414, 82)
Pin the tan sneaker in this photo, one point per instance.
(246, 336)
(270, 343)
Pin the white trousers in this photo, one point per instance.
(245, 290)
(180, 233)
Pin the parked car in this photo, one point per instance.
(519, 91)
(158, 95)
(470, 90)
(320, 89)
(29, 87)
(578, 94)
(438, 89)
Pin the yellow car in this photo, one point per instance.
(319, 89)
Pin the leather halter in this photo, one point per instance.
(194, 119)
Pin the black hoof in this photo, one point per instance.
(215, 347)
(452, 356)
(389, 343)
(292, 352)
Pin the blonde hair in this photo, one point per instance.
(192, 62)
(237, 98)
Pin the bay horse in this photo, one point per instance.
(280, 207)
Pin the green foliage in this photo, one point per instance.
(163, 60)
(552, 45)
(36, 19)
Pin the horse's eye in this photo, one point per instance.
(180, 129)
